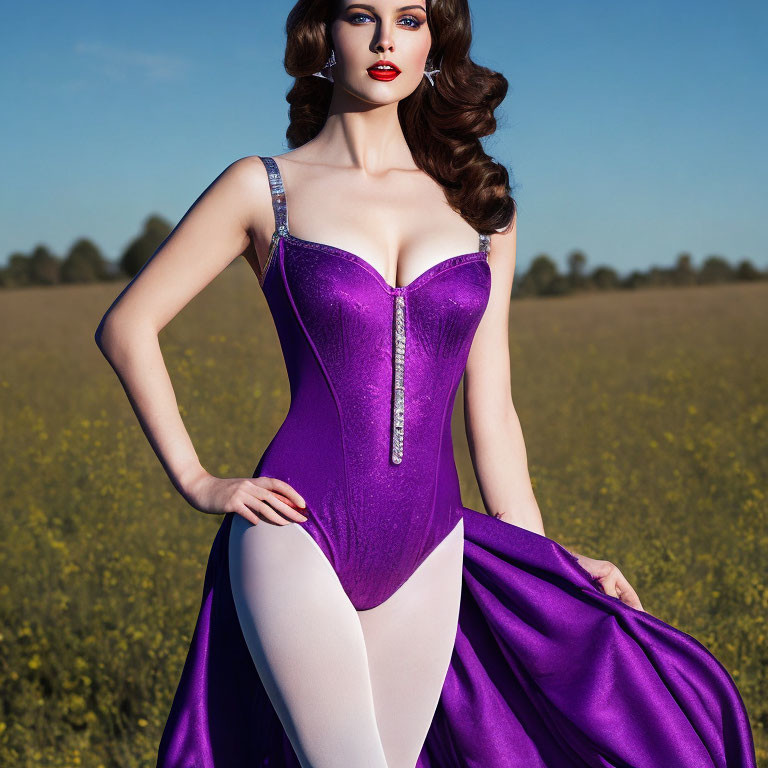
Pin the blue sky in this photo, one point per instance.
(633, 131)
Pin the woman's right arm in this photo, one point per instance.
(213, 232)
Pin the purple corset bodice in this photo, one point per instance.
(373, 372)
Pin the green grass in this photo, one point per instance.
(645, 421)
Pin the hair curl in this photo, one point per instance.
(442, 124)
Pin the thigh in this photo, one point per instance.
(410, 639)
(307, 644)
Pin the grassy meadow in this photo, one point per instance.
(646, 424)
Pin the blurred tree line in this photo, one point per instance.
(543, 277)
(85, 263)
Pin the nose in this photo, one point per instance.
(384, 40)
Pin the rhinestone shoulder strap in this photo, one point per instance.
(278, 195)
(485, 243)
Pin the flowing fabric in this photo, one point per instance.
(547, 670)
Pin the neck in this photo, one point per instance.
(365, 136)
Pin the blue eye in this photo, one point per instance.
(414, 25)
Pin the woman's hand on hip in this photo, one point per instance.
(254, 498)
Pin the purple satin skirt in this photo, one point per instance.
(547, 672)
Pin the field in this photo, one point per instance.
(646, 425)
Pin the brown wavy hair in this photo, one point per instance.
(442, 124)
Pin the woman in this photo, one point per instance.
(354, 612)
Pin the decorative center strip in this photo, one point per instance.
(398, 400)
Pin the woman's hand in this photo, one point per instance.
(253, 498)
(611, 578)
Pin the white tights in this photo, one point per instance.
(351, 688)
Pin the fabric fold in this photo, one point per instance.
(548, 671)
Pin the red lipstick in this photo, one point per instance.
(383, 70)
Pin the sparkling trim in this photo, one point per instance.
(398, 347)
(278, 206)
(278, 195)
(398, 399)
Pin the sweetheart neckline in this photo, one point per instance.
(368, 267)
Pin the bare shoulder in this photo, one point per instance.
(303, 155)
(502, 256)
(304, 164)
(248, 182)
(217, 228)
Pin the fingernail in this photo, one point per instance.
(303, 503)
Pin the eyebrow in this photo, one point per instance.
(371, 8)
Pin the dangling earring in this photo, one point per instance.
(428, 71)
(326, 70)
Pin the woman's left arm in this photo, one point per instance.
(494, 434)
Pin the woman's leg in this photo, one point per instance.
(305, 638)
(410, 639)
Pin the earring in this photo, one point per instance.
(326, 70)
(428, 71)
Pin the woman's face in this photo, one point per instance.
(365, 34)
